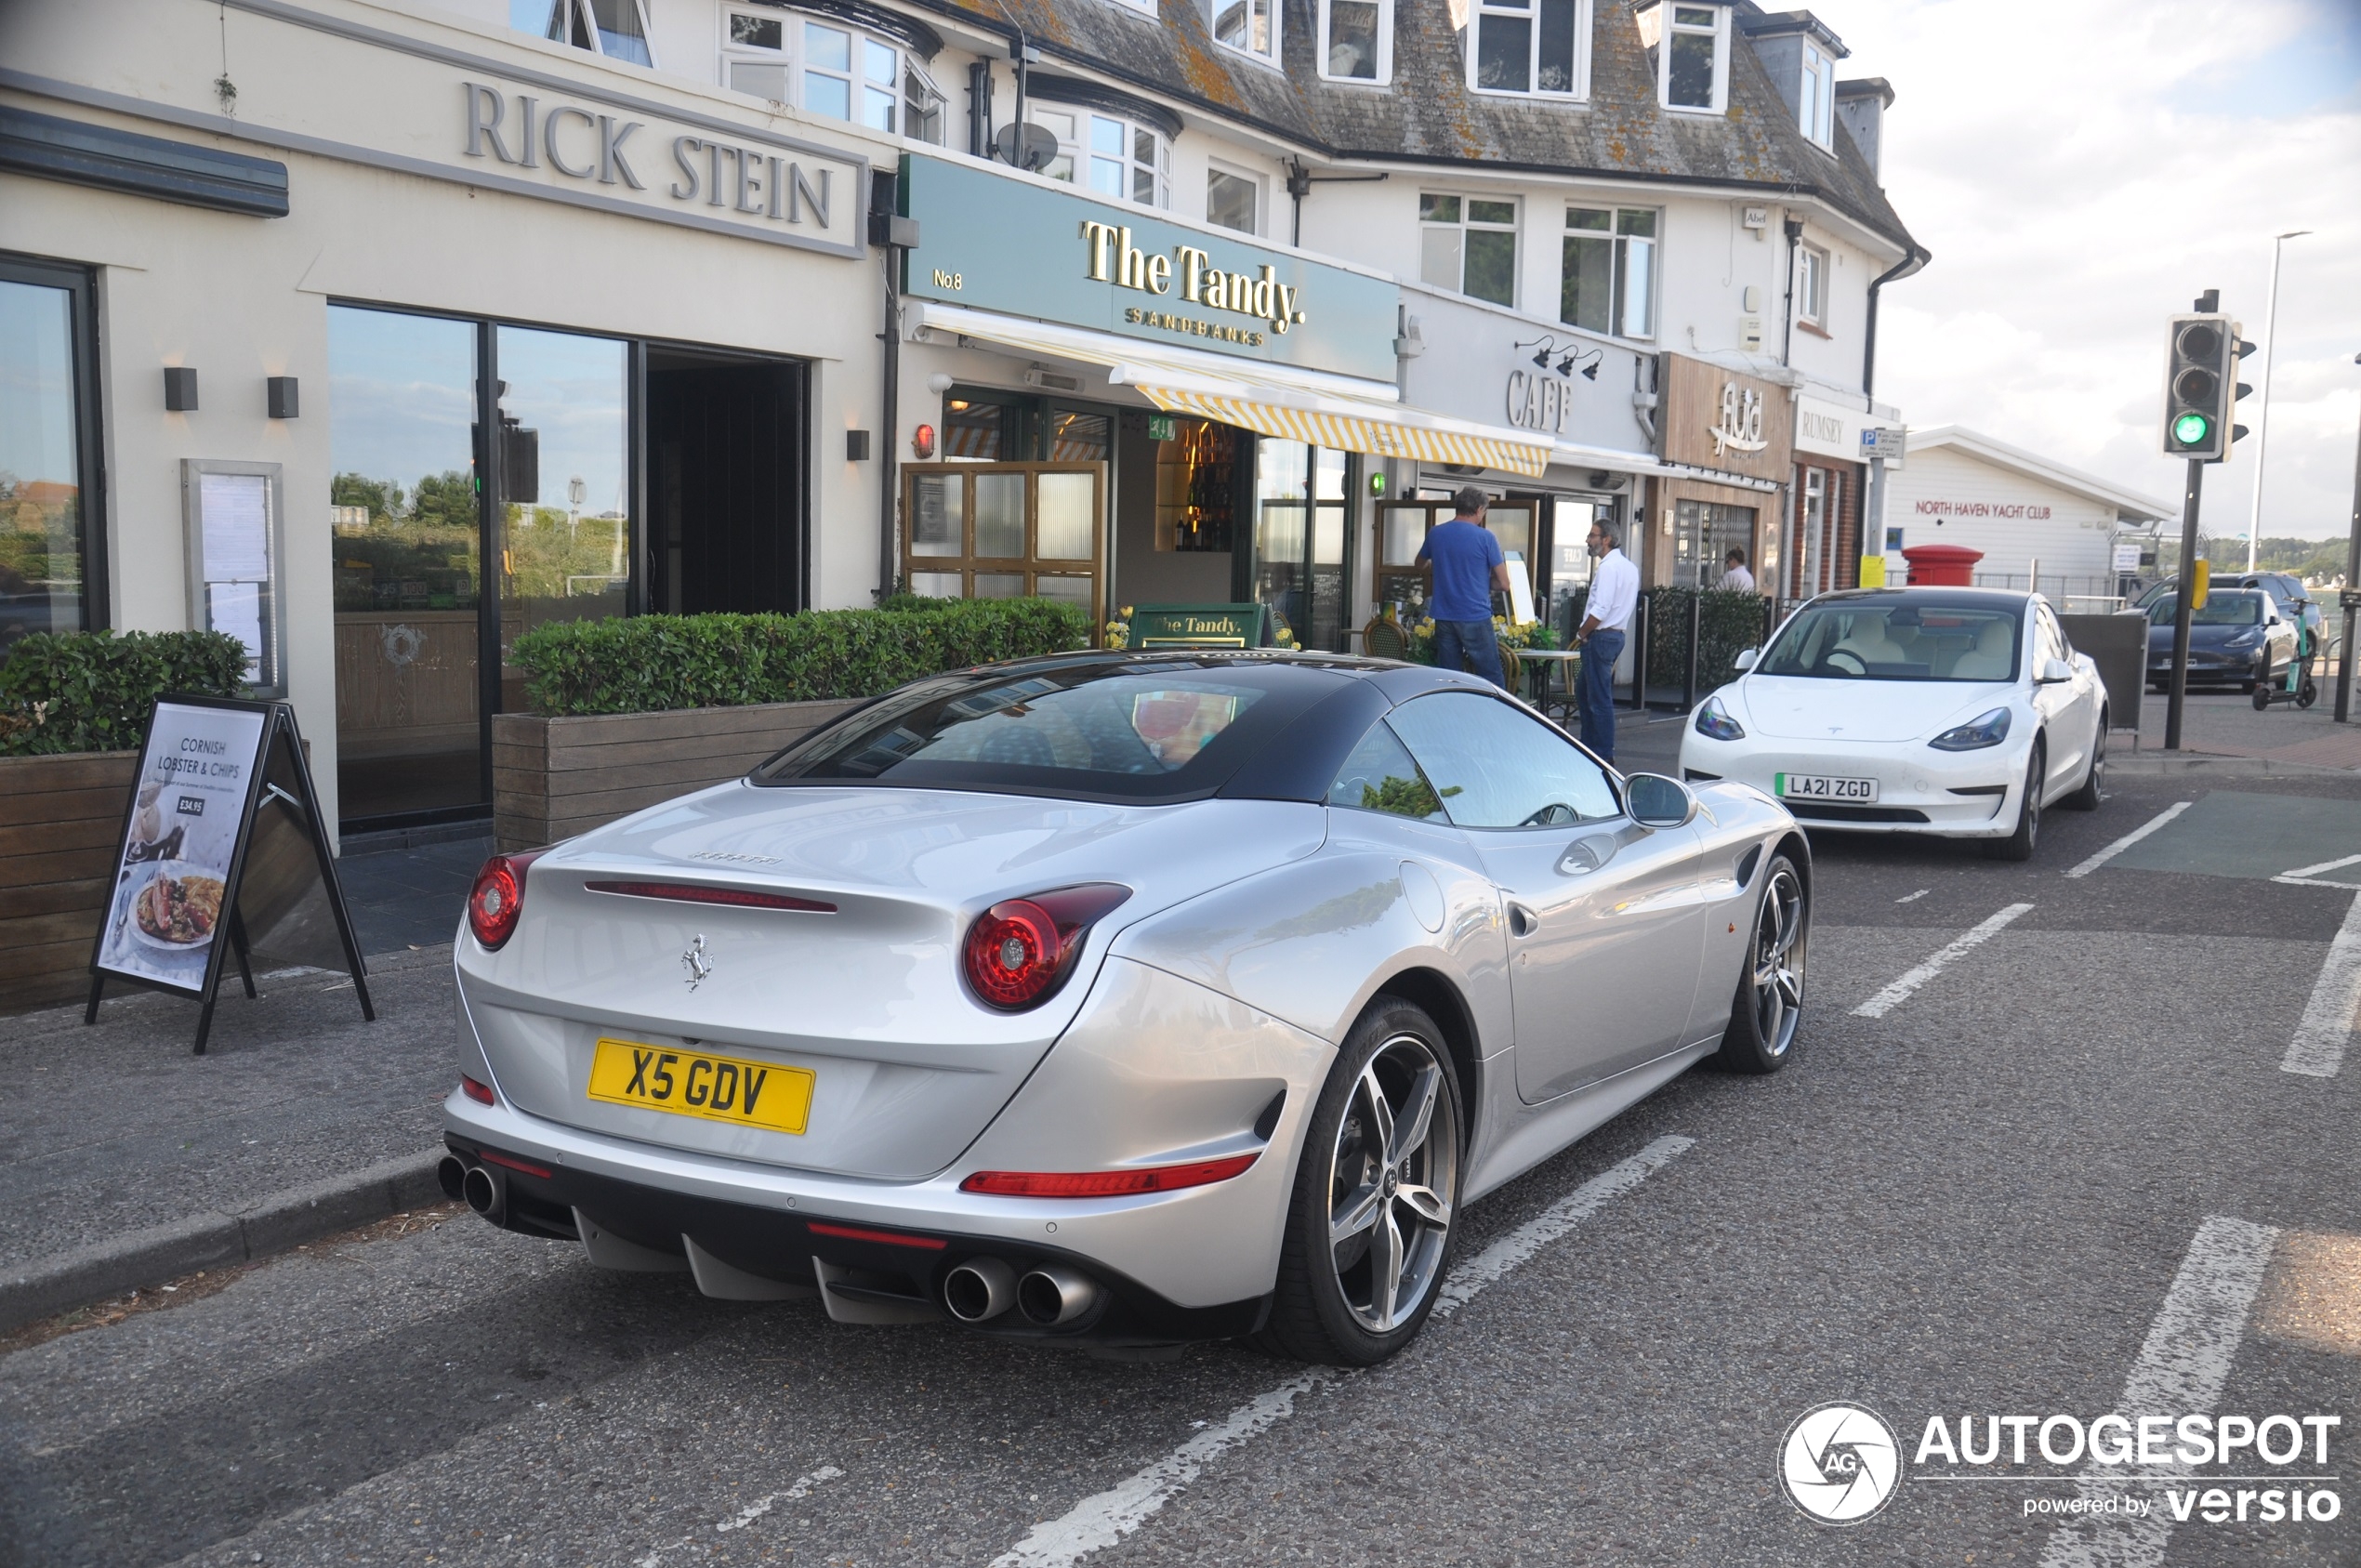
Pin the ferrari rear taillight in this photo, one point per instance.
(498, 898)
(1106, 1184)
(1020, 949)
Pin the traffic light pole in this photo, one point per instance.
(2350, 600)
(2182, 607)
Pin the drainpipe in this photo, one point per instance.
(1912, 260)
(893, 235)
(1794, 227)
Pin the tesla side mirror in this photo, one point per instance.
(1744, 661)
(2054, 671)
(1652, 800)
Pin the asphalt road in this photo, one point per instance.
(2006, 1193)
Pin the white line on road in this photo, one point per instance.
(2086, 867)
(747, 1515)
(1101, 1520)
(2317, 1050)
(1899, 992)
(2181, 1370)
(2309, 876)
(1913, 897)
(1469, 1278)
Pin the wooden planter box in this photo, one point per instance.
(552, 778)
(58, 819)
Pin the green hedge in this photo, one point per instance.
(645, 664)
(1729, 621)
(67, 692)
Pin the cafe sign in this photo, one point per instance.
(993, 239)
(1718, 418)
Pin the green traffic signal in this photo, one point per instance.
(2191, 429)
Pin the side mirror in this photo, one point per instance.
(1744, 661)
(1652, 800)
(2054, 671)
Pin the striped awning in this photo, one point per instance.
(1343, 414)
(1380, 431)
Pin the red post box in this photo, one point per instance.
(1942, 566)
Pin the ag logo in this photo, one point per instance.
(1840, 1463)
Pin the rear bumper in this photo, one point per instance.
(1155, 1069)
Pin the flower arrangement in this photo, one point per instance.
(1116, 633)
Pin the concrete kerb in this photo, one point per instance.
(2154, 765)
(276, 1222)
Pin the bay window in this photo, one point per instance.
(1357, 41)
(1610, 259)
(830, 69)
(1469, 244)
(617, 29)
(1531, 47)
(1113, 156)
(1689, 46)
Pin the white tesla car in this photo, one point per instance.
(1956, 711)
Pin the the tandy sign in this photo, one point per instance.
(706, 175)
(994, 241)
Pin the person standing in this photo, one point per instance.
(1614, 593)
(1465, 564)
(1737, 579)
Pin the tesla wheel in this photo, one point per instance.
(2086, 798)
(2018, 846)
(1769, 1000)
(1377, 1193)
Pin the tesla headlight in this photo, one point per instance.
(1714, 723)
(2246, 639)
(1983, 729)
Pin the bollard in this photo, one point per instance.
(1689, 680)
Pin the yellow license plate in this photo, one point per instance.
(720, 1088)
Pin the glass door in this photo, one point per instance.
(1281, 518)
(47, 471)
(406, 536)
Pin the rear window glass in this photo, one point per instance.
(2219, 610)
(1158, 731)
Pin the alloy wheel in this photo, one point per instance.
(1780, 948)
(1393, 1183)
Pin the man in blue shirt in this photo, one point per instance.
(1466, 563)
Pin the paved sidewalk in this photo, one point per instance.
(2228, 726)
(403, 898)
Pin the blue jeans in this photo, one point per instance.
(1470, 646)
(1595, 698)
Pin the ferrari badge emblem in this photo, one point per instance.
(697, 961)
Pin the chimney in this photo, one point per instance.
(1861, 105)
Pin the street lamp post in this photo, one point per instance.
(2270, 367)
(2349, 601)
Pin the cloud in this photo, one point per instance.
(2082, 171)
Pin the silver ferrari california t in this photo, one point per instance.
(1112, 1000)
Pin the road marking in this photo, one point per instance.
(1467, 1279)
(2309, 876)
(1913, 897)
(2086, 867)
(2181, 1370)
(2317, 1050)
(1899, 992)
(1101, 1521)
(801, 1486)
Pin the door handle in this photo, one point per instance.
(1522, 921)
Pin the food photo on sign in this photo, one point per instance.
(166, 907)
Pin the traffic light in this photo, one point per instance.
(2239, 349)
(2199, 375)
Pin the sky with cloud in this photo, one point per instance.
(2081, 171)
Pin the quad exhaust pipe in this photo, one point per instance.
(480, 1187)
(1053, 1294)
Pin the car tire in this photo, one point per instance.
(1769, 1004)
(1332, 1304)
(2020, 845)
(2086, 795)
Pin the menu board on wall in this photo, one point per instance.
(232, 522)
(222, 843)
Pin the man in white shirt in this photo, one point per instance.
(1614, 593)
(1737, 579)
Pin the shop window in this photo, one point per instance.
(1006, 532)
(1402, 527)
(1357, 41)
(1818, 510)
(1704, 533)
(1815, 100)
(1196, 486)
(1234, 201)
(1531, 47)
(49, 528)
(617, 29)
(1469, 244)
(1080, 438)
(972, 429)
(1608, 285)
(1811, 285)
(1688, 47)
(1250, 26)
